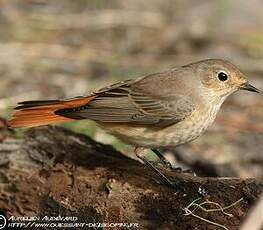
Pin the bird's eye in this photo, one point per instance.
(222, 76)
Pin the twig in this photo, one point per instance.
(189, 212)
(200, 205)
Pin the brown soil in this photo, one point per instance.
(53, 171)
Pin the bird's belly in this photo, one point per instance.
(173, 135)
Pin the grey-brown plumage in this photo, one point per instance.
(133, 102)
(159, 110)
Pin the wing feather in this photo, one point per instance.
(125, 103)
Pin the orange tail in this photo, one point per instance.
(36, 113)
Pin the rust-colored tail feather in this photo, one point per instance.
(37, 113)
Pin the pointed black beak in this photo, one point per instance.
(247, 86)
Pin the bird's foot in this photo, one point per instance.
(164, 179)
(169, 166)
(165, 162)
(180, 170)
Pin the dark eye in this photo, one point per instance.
(222, 76)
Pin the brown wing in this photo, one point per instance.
(124, 102)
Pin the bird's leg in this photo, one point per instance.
(166, 162)
(139, 153)
(169, 165)
(189, 171)
(163, 159)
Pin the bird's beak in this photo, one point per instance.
(249, 87)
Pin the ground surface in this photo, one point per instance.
(53, 171)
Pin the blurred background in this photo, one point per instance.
(58, 49)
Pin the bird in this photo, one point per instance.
(156, 111)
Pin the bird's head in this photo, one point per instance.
(220, 78)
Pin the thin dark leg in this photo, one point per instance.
(161, 175)
(169, 165)
(163, 159)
